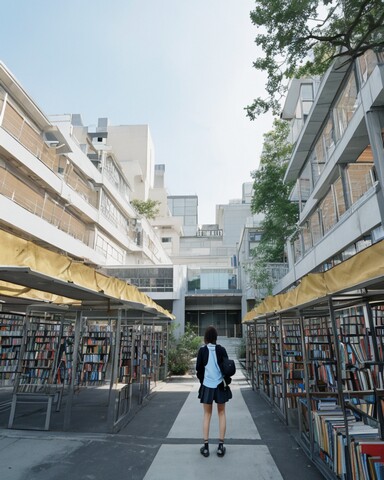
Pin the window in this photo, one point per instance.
(306, 91)
(254, 236)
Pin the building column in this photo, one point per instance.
(374, 127)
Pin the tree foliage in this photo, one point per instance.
(271, 194)
(271, 198)
(148, 208)
(183, 350)
(302, 37)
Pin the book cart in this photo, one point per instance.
(329, 376)
(62, 362)
(279, 371)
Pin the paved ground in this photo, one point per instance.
(162, 441)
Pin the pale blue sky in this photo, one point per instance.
(184, 67)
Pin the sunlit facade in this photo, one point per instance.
(337, 165)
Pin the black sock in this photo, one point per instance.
(206, 445)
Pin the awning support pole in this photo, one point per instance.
(76, 348)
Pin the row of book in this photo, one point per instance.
(7, 331)
(39, 354)
(95, 349)
(10, 341)
(101, 358)
(8, 355)
(26, 364)
(366, 452)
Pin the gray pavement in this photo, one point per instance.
(162, 441)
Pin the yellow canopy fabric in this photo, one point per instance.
(18, 252)
(363, 267)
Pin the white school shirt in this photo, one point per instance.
(212, 374)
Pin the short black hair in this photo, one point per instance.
(210, 335)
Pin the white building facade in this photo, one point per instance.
(337, 165)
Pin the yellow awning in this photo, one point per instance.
(46, 265)
(363, 268)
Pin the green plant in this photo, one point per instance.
(241, 349)
(149, 208)
(182, 351)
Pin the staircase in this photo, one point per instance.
(231, 345)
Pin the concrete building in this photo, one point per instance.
(185, 207)
(64, 188)
(337, 165)
(68, 187)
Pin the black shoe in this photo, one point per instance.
(221, 450)
(204, 451)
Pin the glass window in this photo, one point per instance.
(178, 211)
(315, 227)
(329, 138)
(345, 106)
(339, 197)
(306, 91)
(328, 214)
(318, 160)
(360, 179)
(348, 252)
(190, 210)
(191, 202)
(190, 220)
(307, 239)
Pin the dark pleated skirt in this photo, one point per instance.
(218, 394)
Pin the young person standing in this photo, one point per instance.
(214, 387)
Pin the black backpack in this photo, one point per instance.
(228, 367)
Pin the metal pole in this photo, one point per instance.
(68, 408)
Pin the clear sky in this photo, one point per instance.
(184, 67)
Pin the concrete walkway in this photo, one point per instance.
(162, 441)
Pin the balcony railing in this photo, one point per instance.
(20, 129)
(42, 206)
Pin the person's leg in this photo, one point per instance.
(204, 450)
(222, 420)
(207, 420)
(222, 428)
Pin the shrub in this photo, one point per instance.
(182, 351)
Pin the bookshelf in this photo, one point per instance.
(277, 390)
(343, 370)
(11, 337)
(126, 353)
(159, 353)
(293, 362)
(251, 355)
(64, 363)
(325, 371)
(262, 353)
(39, 356)
(95, 352)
